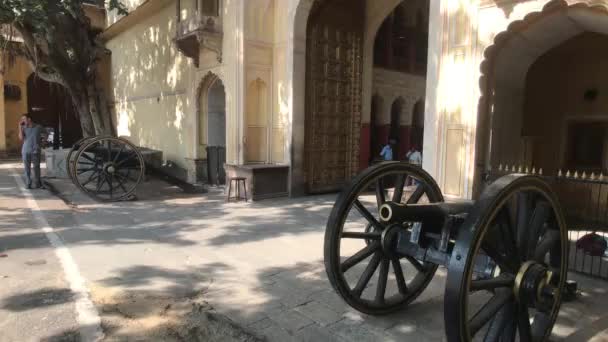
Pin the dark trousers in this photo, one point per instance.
(30, 158)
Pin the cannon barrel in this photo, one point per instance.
(426, 213)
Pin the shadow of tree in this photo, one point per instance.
(37, 299)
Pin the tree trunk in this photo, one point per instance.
(90, 110)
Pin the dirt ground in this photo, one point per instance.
(150, 317)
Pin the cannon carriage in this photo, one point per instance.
(106, 168)
(505, 254)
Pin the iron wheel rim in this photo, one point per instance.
(472, 235)
(384, 264)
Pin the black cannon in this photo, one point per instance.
(505, 254)
(106, 168)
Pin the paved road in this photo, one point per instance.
(36, 302)
(260, 264)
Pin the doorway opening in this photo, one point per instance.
(51, 107)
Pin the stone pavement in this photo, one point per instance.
(259, 263)
(35, 300)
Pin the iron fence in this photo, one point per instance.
(584, 201)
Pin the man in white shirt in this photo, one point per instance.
(414, 156)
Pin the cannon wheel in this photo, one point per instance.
(71, 158)
(108, 169)
(354, 252)
(518, 228)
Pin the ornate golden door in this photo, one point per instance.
(333, 98)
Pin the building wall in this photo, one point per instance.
(273, 50)
(15, 74)
(152, 87)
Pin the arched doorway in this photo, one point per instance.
(333, 93)
(532, 107)
(212, 131)
(326, 150)
(217, 133)
(400, 62)
(51, 106)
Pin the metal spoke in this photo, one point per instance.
(503, 280)
(109, 150)
(110, 180)
(500, 323)
(544, 246)
(382, 280)
(380, 192)
(523, 323)
(399, 276)
(507, 233)
(91, 178)
(121, 184)
(523, 219)
(368, 216)
(127, 177)
(417, 265)
(122, 148)
(359, 256)
(359, 235)
(489, 310)
(100, 182)
(399, 184)
(85, 156)
(367, 274)
(492, 251)
(81, 171)
(129, 157)
(417, 194)
(539, 218)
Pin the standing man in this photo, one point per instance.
(30, 133)
(387, 152)
(414, 156)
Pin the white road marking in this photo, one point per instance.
(86, 313)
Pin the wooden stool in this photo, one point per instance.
(237, 193)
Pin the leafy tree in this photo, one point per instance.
(63, 48)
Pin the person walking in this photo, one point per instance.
(30, 134)
(387, 152)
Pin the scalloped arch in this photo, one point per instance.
(501, 65)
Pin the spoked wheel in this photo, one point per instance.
(108, 169)
(360, 258)
(509, 265)
(71, 157)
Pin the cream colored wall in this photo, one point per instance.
(460, 31)
(16, 74)
(390, 85)
(152, 88)
(263, 136)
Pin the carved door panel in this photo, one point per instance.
(333, 106)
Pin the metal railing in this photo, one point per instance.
(584, 201)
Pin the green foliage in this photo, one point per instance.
(35, 14)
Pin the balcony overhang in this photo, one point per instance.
(200, 33)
